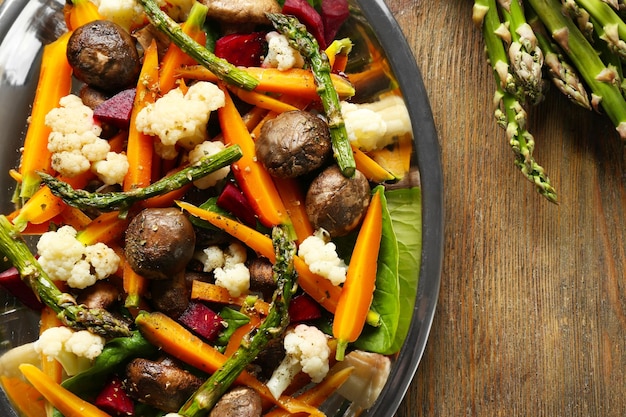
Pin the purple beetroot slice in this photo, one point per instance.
(116, 110)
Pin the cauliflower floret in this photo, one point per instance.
(374, 125)
(65, 258)
(208, 148)
(228, 267)
(320, 254)
(280, 55)
(126, 13)
(112, 169)
(76, 146)
(75, 350)
(307, 350)
(180, 119)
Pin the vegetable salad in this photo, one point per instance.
(226, 217)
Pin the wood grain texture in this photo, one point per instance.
(531, 319)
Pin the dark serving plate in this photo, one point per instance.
(27, 25)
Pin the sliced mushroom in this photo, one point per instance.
(241, 11)
(239, 401)
(293, 144)
(160, 384)
(159, 242)
(337, 203)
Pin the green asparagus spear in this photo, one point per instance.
(524, 53)
(613, 27)
(306, 44)
(509, 112)
(273, 326)
(123, 200)
(218, 66)
(73, 315)
(602, 80)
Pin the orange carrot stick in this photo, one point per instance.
(372, 170)
(174, 58)
(294, 200)
(55, 82)
(173, 338)
(105, 228)
(81, 12)
(140, 146)
(206, 291)
(318, 287)
(255, 182)
(24, 396)
(69, 404)
(235, 339)
(262, 100)
(358, 289)
(296, 82)
(135, 286)
(316, 395)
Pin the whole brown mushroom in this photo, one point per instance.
(239, 401)
(293, 144)
(103, 55)
(159, 242)
(337, 203)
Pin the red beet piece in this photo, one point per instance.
(202, 320)
(117, 109)
(114, 400)
(11, 281)
(303, 308)
(234, 201)
(246, 50)
(334, 13)
(308, 16)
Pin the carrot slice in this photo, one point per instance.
(255, 182)
(140, 146)
(69, 404)
(55, 82)
(372, 170)
(295, 81)
(215, 294)
(24, 396)
(358, 289)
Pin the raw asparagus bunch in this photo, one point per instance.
(123, 200)
(509, 112)
(273, 326)
(305, 43)
(73, 315)
(583, 44)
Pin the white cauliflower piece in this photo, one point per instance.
(112, 169)
(280, 54)
(76, 146)
(180, 119)
(126, 13)
(208, 148)
(75, 350)
(65, 258)
(320, 254)
(375, 125)
(308, 351)
(228, 267)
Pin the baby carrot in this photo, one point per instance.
(206, 291)
(55, 82)
(372, 170)
(358, 289)
(140, 146)
(69, 404)
(255, 182)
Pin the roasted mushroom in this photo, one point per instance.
(103, 55)
(337, 203)
(293, 144)
(171, 296)
(241, 11)
(239, 401)
(159, 242)
(161, 384)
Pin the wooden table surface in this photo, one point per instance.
(531, 318)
